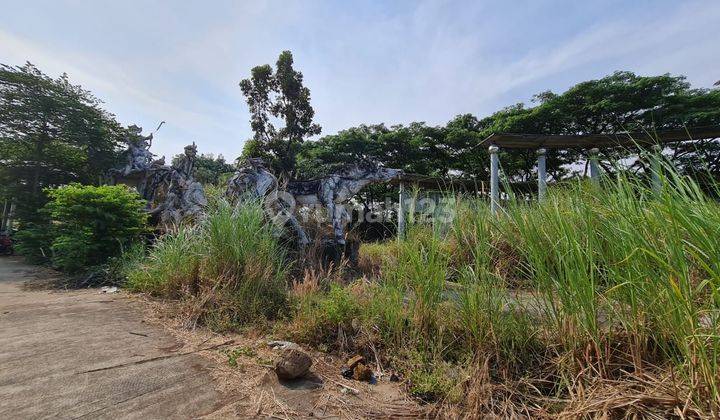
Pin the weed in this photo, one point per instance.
(234, 354)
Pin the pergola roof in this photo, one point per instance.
(536, 141)
(430, 182)
(447, 183)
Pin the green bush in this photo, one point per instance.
(33, 242)
(320, 315)
(87, 226)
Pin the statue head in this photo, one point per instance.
(256, 162)
(370, 171)
(133, 137)
(134, 129)
(386, 174)
(159, 162)
(191, 150)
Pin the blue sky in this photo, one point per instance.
(364, 61)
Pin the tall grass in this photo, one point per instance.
(616, 282)
(630, 264)
(230, 268)
(596, 296)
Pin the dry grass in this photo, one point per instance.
(253, 390)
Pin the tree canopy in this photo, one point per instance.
(622, 101)
(51, 133)
(278, 95)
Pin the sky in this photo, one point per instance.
(391, 62)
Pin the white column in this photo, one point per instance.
(656, 168)
(401, 211)
(594, 166)
(11, 214)
(494, 179)
(542, 173)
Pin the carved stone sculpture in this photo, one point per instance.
(251, 178)
(171, 192)
(186, 164)
(337, 189)
(331, 192)
(254, 181)
(138, 154)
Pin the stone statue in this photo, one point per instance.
(139, 156)
(171, 192)
(336, 189)
(186, 164)
(253, 179)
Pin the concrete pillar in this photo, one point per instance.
(494, 179)
(594, 166)
(401, 212)
(542, 173)
(656, 168)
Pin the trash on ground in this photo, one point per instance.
(356, 369)
(108, 289)
(282, 345)
(351, 391)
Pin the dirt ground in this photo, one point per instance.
(84, 353)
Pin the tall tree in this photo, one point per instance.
(51, 133)
(279, 95)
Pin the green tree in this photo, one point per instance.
(51, 133)
(619, 102)
(279, 95)
(416, 148)
(622, 101)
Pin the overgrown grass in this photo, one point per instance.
(599, 300)
(592, 286)
(230, 268)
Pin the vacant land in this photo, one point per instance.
(86, 354)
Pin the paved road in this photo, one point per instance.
(82, 354)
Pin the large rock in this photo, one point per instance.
(292, 363)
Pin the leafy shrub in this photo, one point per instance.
(33, 242)
(87, 226)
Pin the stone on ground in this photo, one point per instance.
(292, 363)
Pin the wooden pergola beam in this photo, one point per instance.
(536, 141)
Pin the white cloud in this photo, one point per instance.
(393, 63)
(129, 97)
